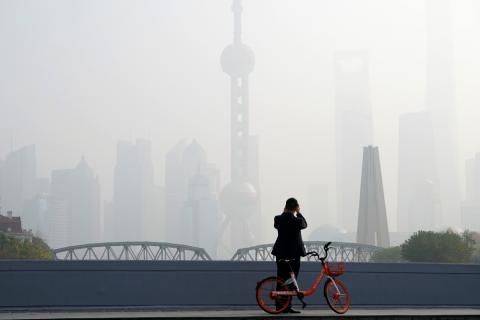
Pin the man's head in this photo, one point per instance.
(292, 205)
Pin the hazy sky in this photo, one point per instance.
(77, 76)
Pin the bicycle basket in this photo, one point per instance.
(335, 269)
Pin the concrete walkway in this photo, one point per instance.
(354, 313)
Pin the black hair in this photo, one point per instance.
(291, 204)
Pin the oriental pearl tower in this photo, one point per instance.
(239, 199)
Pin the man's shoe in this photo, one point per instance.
(291, 310)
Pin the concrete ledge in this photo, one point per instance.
(179, 284)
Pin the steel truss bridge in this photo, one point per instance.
(340, 251)
(139, 250)
(156, 251)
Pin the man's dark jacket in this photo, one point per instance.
(289, 242)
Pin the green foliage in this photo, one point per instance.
(392, 254)
(429, 246)
(11, 248)
(476, 250)
(476, 255)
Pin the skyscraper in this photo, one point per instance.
(239, 199)
(201, 211)
(191, 196)
(133, 190)
(156, 228)
(354, 129)
(372, 215)
(428, 186)
(20, 174)
(418, 199)
(56, 234)
(440, 100)
(471, 205)
(75, 197)
(175, 190)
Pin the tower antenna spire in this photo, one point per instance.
(237, 21)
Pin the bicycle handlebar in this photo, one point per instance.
(326, 247)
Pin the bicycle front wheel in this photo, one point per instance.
(338, 300)
(266, 301)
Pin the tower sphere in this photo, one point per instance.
(237, 60)
(238, 199)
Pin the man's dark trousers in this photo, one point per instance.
(283, 271)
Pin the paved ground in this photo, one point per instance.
(438, 313)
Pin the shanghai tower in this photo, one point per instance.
(440, 100)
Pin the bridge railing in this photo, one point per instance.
(341, 251)
(131, 251)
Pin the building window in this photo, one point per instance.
(239, 82)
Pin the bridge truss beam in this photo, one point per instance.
(341, 251)
(152, 251)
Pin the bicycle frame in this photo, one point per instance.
(304, 293)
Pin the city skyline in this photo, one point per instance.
(309, 145)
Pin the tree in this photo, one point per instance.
(392, 254)
(429, 246)
(475, 236)
(11, 248)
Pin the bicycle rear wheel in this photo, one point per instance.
(266, 302)
(338, 301)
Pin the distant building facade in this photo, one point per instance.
(429, 189)
(471, 204)
(133, 190)
(202, 213)
(191, 188)
(155, 227)
(440, 101)
(75, 205)
(10, 224)
(57, 224)
(12, 227)
(19, 180)
(175, 190)
(418, 198)
(353, 130)
(36, 212)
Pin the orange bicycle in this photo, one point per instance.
(274, 295)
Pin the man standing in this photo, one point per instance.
(289, 244)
